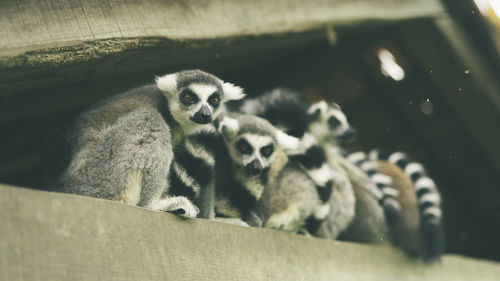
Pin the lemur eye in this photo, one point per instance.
(188, 97)
(214, 100)
(333, 122)
(244, 147)
(266, 151)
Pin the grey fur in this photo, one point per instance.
(116, 138)
(122, 148)
(288, 200)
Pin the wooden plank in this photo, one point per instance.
(49, 43)
(28, 25)
(41, 91)
(52, 236)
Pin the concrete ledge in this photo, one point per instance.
(52, 236)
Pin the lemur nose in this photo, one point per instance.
(255, 167)
(348, 134)
(203, 116)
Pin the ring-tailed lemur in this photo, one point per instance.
(395, 196)
(326, 129)
(329, 125)
(288, 111)
(123, 148)
(252, 145)
(424, 210)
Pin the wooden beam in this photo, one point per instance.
(53, 236)
(47, 44)
(28, 26)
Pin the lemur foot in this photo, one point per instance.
(235, 221)
(287, 220)
(254, 220)
(176, 205)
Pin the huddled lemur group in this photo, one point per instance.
(272, 161)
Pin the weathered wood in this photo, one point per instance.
(52, 43)
(28, 26)
(51, 236)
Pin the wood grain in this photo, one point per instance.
(52, 236)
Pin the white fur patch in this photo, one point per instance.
(322, 106)
(435, 211)
(228, 126)
(432, 198)
(233, 221)
(321, 175)
(368, 166)
(200, 152)
(381, 178)
(413, 168)
(289, 219)
(167, 83)
(425, 183)
(203, 91)
(291, 145)
(176, 203)
(232, 92)
(185, 178)
(396, 156)
(308, 140)
(373, 155)
(254, 186)
(321, 211)
(132, 192)
(390, 191)
(356, 157)
(391, 201)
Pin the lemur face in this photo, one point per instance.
(328, 122)
(252, 142)
(194, 97)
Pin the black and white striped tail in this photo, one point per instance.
(316, 166)
(429, 202)
(192, 169)
(392, 208)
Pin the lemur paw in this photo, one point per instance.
(235, 221)
(176, 205)
(254, 220)
(287, 220)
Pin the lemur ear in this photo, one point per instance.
(335, 105)
(228, 126)
(232, 92)
(291, 145)
(167, 83)
(317, 108)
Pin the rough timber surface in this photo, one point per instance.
(53, 236)
(28, 25)
(40, 36)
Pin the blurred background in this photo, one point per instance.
(427, 83)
